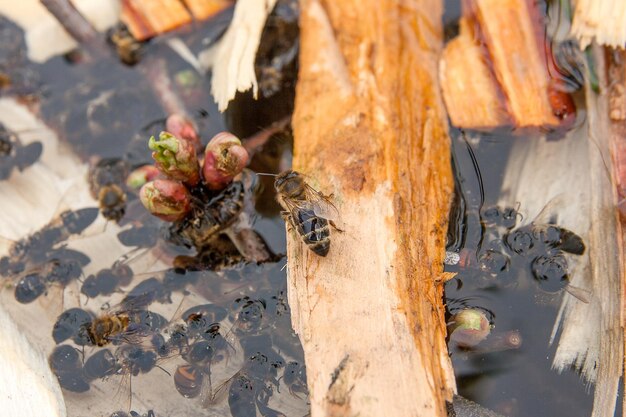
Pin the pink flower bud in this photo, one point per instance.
(176, 158)
(183, 128)
(224, 158)
(469, 327)
(141, 175)
(168, 200)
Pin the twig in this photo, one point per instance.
(76, 25)
(255, 142)
(155, 70)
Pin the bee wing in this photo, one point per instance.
(219, 394)
(581, 294)
(321, 205)
(549, 212)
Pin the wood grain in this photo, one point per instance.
(509, 33)
(473, 97)
(370, 127)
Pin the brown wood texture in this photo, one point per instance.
(472, 95)
(509, 33)
(370, 127)
(616, 75)
(204, 9)
(148, 18)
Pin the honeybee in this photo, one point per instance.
(122, 326)
(309, 211)
(107, 180)
(210, 217)
(127, 47)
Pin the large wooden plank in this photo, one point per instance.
(370, 127)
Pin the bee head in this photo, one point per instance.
(289, 183)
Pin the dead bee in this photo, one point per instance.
(107, 184)
(67, 367)
(13, 154)
(107, 280)
(309, 211)
(63, 266)
(210, 218)
(38, 247)
(127, 47)
(122, 326)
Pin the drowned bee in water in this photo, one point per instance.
(307, 210)
(107, 184)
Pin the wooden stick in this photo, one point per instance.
(75, 24)
(370, 127)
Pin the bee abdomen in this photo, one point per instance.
(314, 231)
(320, 248)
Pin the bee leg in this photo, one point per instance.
(332, 223)
(287, 218)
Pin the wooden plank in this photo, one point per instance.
(147, 18)
(472, 96)
(604, 21)
(136, 22)
(520, 68)
(204, 9)
(370, 127)
(616, 71)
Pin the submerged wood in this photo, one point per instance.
(616, 72)
(370, 127)
(577, 170)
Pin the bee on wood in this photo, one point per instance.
(307, 210)
(107, 184)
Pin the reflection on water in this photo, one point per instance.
(508, 266)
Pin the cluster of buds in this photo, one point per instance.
(165, 187)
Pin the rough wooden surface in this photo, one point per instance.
(370, 127)
(616, 71)
(604, 21)
(147, 18)
(518, 63)
(472, 95)
(204, 9)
